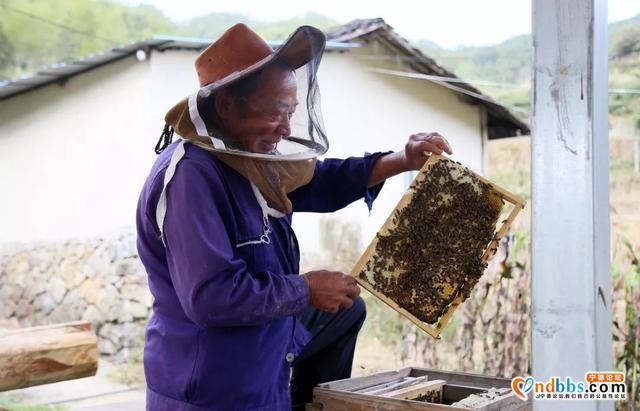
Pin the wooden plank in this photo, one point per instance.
(41, 355)
(474, 381)
(347, 401)
(384, 385)
(414, 391)
(444, 320)
(354, 384)
(501, 232)
(409, 381)
(510, 197)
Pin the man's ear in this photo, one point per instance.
(222, 102)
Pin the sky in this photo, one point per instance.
(449, 23)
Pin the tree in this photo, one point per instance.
(6, 53)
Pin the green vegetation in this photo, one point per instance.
(34, 33)
(508, 64)
(39, 32)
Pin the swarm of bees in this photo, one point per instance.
(434, 397)
(430, 251)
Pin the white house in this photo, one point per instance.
(70, 169)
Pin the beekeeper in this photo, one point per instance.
(235, 326)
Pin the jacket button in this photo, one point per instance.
(290, 357)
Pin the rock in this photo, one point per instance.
(127, 335)
(60, 314)
(104, 330)
(137, 310)
(23, 310)
(44, 303)
(75, 303)
(7, 308)
(39, 287)
(57, 289)
(124, 313)
(11, 292)
(124, 355)
(93, 315)
(106, 346)
(9, 323)
(109, 303)
(126, 268)
(22, 264)
(72, 277)
(90, 289)
(136, 292)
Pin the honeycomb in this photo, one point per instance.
(430, 249)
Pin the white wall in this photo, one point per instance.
(68, 155)
(73, 158)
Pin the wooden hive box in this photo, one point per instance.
(410, 389)
(434, 247)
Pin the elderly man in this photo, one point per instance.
(234, 325)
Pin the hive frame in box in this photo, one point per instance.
(518, 205)
(360, 393)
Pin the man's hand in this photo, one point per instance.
(415, 153)
(330, 290)
(421, 145)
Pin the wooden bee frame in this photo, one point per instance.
(434, 331)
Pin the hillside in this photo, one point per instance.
(508, 64)
(38, 32)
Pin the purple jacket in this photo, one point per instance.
(223, 332)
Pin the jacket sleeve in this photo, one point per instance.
(336, 183)
(213, 285)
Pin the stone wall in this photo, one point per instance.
(99, 280)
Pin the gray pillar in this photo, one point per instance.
(571, 282)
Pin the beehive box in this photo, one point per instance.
(417, 389)
(434, 247)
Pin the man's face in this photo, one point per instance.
(264, 118)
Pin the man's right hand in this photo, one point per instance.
(330, 290)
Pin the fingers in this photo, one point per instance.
(437, 141)
(346, 302)
(429, 147)
(330, 290)
(351, 289)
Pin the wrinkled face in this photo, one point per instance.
(262, 119)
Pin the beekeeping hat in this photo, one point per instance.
(236, 55)
(240, 55)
